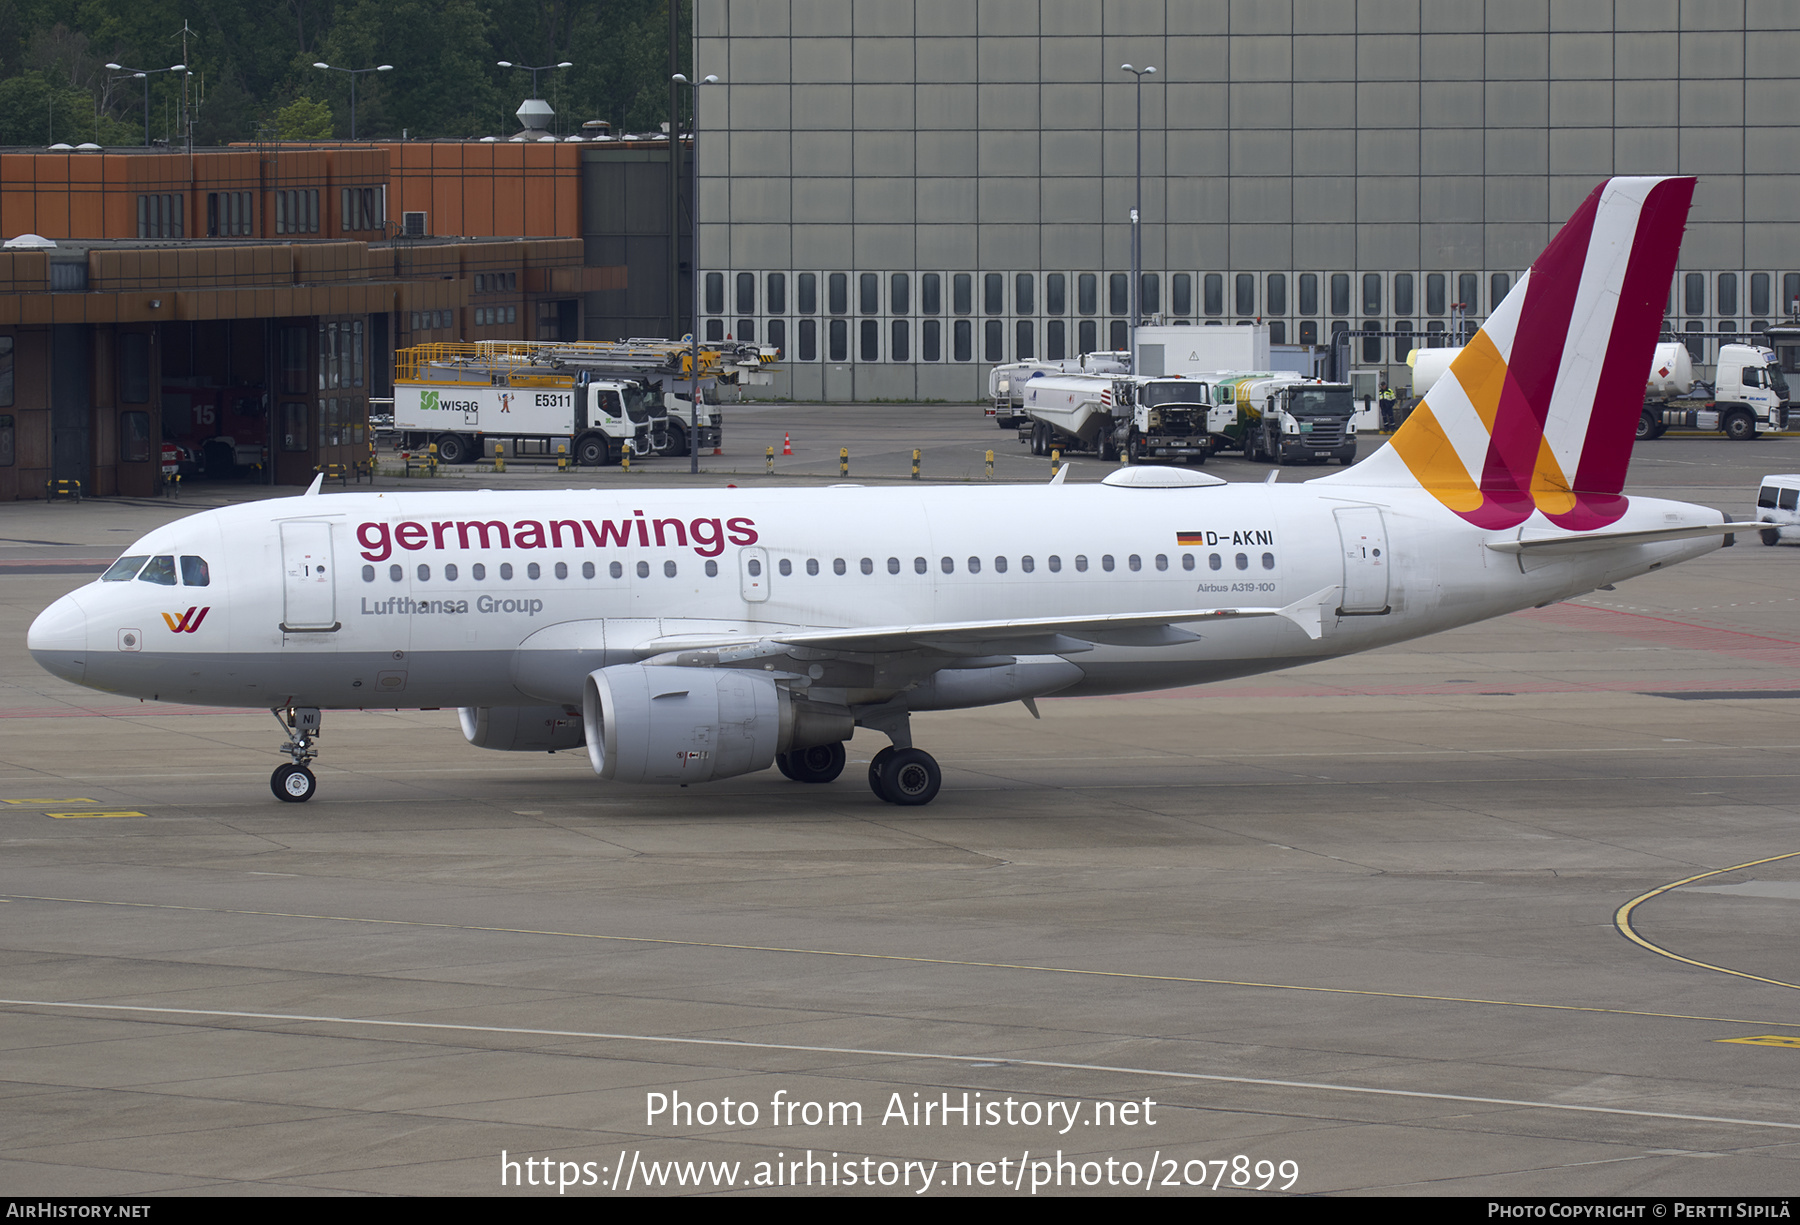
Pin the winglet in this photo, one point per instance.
(312, 490)
(1060, 473)
(1309, 612)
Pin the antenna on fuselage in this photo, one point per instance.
(312, 490)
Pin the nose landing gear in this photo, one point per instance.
(294, 783)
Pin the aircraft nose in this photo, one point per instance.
(58, 640)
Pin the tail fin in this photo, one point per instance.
(1539, 410)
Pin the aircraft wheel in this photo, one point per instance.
(293, 784)
(910, 777)
(819, 764)
(781, 763)
(1771, 535)
(875, 764)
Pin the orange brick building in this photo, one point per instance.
(245, 303)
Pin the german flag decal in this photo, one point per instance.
(1190, 537)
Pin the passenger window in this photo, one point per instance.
(999, 565)
(1135, 562)
(161, 571)
(1788, 497)
(424, 574)
(1243, 561)
(506, 571)
(838, 566)
(948, 565)
(1187, 561)
(918, 565)
(587, 570)
(194, 572)
(562, 569)
(1106, 562)
(812, 565)
(1026, 564)
(754, 566)
(396, 574)
(618, 571)
(1162, 561)
(1081, 562)
(450, 572)
(974, 565)
(368, 574)
(668, 569)
(868, 565)
(478, 572)
(643, 569)
(893, 565)
(1213, 561)
(532, 571)
(1268, 561)
(786, 567)
(712, 569)
(1055, 564)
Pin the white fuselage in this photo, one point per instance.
(397, 600)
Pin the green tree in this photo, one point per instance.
(304, 119)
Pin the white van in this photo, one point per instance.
(1778, 502)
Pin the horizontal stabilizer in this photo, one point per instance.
(1589, 542)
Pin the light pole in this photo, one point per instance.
(1137, 205)
(143, 74)
(694, 204)
(354, 73)
(535, 114)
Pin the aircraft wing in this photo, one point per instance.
(1015, 636)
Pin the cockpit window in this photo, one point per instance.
(160, 570)
(194, 572)
(126, 568)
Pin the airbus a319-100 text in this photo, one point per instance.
(689, 635)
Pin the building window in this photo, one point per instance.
(996, 341)
(1340, 293)
(1759, 293)
(1087, 292)
(1277, 293)
(869, 293)
(1434, 293)
(1149, 293)
(1121, 336)
(871, 340)
(1181, 293)
(1309, 293)
(808, 293)
(1309, 332)
(837, 293)
(899, 294)
(1403, 293)
(1403, 345)
(962, 293)
(1118, 294)
(931, 293)
(993, 294)
(1726, 298)
(1244, 286)
(1371, 345)
(809, 340)
(930, 341)
(1055, 340)
(1213, 290)
(1468, 291)
(1055, 293)
(1023, 347)
(134, 437)
(715, 293)
(1498, 285)
(778, 335)
(1371, 293)
(898, 348)
(777, 293)
(746, 293)
(1023, 295)
(1088, 339)
(746, 330)
(963, 341)
(715, 329)
(1277, 332)
(838, 341)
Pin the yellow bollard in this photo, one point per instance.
(431, 459)
(990, 463)
(625, 456)
(562, 457)
(915, 475)
(1055, 461)
(499, 457)
(769, 460)
(843, 461)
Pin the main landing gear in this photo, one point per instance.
(294, 783)
(908, 777)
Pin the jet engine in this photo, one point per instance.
(664, 724)
(522, 729)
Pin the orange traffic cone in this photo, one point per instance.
(787, 447)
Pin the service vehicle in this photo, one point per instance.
(1778, 505)
(1284, 418)
(463, 397)
(1006, 384)
(1116, 416)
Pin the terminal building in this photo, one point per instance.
(902, 193)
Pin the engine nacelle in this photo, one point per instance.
(522, 729)
(657, 724)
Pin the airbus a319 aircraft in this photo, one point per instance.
(689, 635)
